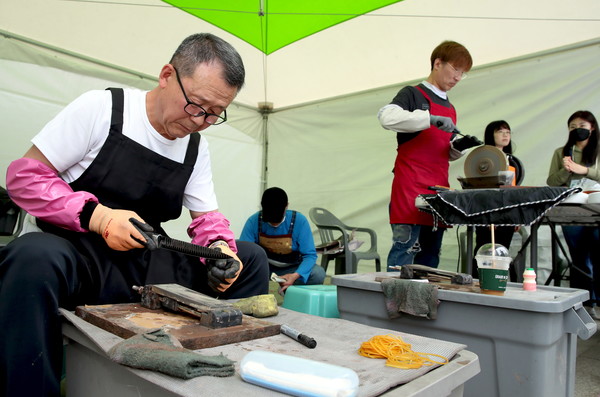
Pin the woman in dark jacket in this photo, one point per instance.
(577, 164)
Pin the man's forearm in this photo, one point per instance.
(393, 117)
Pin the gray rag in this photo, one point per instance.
(410, 297)
(158, 351)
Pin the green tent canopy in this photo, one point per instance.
(270, 25)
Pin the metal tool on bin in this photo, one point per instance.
(419, 271)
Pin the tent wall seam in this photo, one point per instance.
(45, 46)
(36, 43)
(588, 43)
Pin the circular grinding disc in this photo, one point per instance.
(485, 161)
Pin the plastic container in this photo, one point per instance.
(320, 300)
(506, 177)
(529, 283)
(298, 376)
(493, 256)
(493, 261)
(526, 343)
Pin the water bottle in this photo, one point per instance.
(529, 283)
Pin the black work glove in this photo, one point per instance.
(443, 123)
(222, 272)
(466, 142)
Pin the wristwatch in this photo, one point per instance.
(217, 243)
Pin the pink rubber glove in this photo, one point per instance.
(38, 189)
(210, 227)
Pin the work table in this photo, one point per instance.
(90, 372)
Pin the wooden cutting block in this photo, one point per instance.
(128, 319)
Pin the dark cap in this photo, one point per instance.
(274, 201)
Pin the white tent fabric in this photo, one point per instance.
(322, 143)
(388, 46)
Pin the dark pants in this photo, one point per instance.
(583, 243)
(415, 244)
(40, 272)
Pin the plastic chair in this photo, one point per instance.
(11, 228)
(346, 261)
(11, 218)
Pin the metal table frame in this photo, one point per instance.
(561, 215)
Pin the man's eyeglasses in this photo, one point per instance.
(196, 110)
(462, 75)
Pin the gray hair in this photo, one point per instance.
(206, 48)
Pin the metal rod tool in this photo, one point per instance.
(156, 240)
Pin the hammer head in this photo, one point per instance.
(406, 272)
(462, 279)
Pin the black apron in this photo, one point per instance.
(127, 175)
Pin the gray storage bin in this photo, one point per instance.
(526, 340)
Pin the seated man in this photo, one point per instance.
(286, 237)
(110, 156)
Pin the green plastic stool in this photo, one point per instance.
(320, 300)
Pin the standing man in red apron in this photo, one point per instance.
(109, 156)
(424, 121)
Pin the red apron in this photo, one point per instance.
(421, 162)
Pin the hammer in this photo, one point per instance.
(415, 271)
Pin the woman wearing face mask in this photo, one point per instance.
(498, 134)
(577, 160)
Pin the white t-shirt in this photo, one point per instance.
(73, 139)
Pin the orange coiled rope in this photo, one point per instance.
(398, 353)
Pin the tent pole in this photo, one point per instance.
(265, 108)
